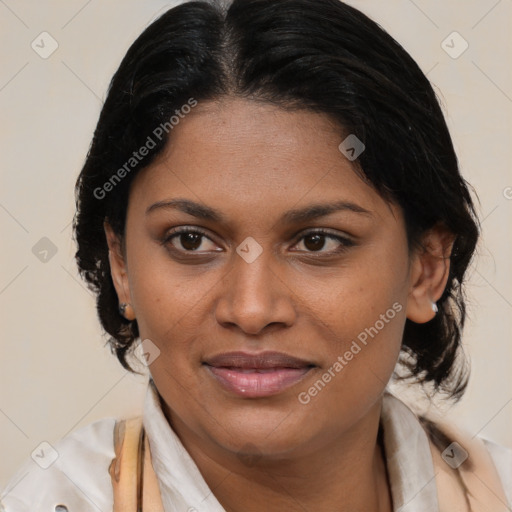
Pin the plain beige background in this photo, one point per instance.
(56, 375)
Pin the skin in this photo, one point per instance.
(252, 162)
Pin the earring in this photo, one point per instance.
(127, 311)
(435, 309)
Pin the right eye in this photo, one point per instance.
(190, 240)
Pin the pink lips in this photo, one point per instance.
(257, 375)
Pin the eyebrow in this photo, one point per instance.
(295, 216)
(192, 208)
(314, 211)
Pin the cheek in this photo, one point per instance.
(368, 342)
(358, 369)
(361, 309)
(174, 310)
(162, 291)
(354, 295)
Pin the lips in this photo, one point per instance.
(257, 375)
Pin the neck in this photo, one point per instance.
(348, 473)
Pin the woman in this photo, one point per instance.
(272, 204)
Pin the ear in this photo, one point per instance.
(118, 269)
(429, 272)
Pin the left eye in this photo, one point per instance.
(317, 241)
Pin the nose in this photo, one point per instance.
(254, 297)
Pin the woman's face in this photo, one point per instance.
(271, 278)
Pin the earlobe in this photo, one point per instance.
(126, 310)
(429, 274)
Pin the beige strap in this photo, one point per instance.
(151, 497)
(134, 481)
(474, 486)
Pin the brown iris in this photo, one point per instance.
(314, 242)
(190, 241)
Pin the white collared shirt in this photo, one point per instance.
(79, 479)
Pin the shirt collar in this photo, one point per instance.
(181, 484)
(408, 458)
(406, 447)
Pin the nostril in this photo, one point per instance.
(61, 508)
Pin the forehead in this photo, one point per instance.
(244, 154)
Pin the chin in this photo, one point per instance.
(270, 434)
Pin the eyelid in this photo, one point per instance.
(323, 231)
(186, 229)
(345, 240)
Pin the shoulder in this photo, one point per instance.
(456, 455)
(470, 456)
(502, 458)
(71, 472)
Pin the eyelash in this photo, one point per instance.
(345, 242)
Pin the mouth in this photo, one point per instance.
(257, 375)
